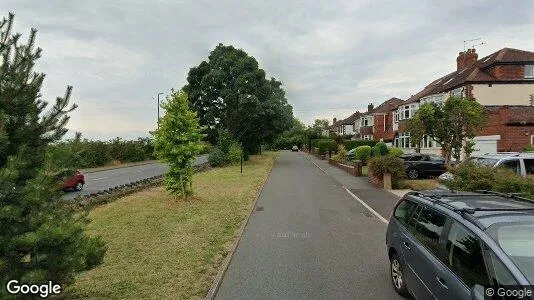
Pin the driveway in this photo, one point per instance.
(308, 238)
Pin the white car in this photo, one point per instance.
(520, 163)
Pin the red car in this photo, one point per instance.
(71, 179)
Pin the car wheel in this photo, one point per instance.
(79, 186)
(397, 276)
(413, 174)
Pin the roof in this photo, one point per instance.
(388, 105)
(477, 73)
(482, 208)
(350, 120)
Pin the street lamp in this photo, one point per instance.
(158, 107)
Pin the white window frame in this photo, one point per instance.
(403, 140)
(458, 92)
(407, 111)
(396, 116)
(368, 137)
(367, 121)
(532, 140)
(531, 68)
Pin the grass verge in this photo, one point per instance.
(419, 184)
(163, 247)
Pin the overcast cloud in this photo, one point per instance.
(334, 57)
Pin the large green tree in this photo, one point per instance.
(40, 239)
(178, 142)
(230, 91)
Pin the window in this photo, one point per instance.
(428, 142)
(500, 274)
(457, 92)
(435, 158)
(368, 137)
(429, 227)
(513, 165)
(404, 211)
(529, 71)
(402, 140)
(529, 166)
(396, 116)
(367, 121)
(407, 111)
(464, 256)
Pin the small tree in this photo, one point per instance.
(40, 239)
(178, 142)
(416, 127)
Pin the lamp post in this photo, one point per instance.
(158, 107)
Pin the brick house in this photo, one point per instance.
(503, 82)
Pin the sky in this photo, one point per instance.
(333, 57)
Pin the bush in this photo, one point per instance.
(217, 158)
(375, 151)
(349, 144)
(394, 151)
(381, 165)
(341, 155)
(382, 147)
(470, 177)
(234, 153)
(206, 147)
(362, 153)
(529, 149)
(325, 146)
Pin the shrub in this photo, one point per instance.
(529, 149)
(375, 151)
(382, 147)
(341, 155)
(394, 151)
(326, 146)
(349, 145)
(234, 153)
(470, 177)
(381, 165)
(217, 158)
(362, 153)
(206, 147)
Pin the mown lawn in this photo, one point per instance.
(163, 247)
(419, 184)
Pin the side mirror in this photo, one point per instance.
(477, 292)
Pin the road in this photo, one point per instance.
(308, 239)
(102, 180)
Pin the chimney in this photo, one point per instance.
(466, 59)
(335, 120)
(370, 107)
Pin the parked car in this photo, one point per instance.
(295, 149)
(423, 165)
(520, 163)
(70, 179)
(450, 245)
(351, 153)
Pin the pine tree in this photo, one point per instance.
(40, 238)
(177, 142)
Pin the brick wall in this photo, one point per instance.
(514, 137)
(375, 180)
(366, 130)
(508, 72)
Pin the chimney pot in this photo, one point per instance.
(466, 59)
(370, 107)
(335, 120)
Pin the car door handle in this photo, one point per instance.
(406, 245)
(442, 282)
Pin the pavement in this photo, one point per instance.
(311, 236)
(102, 180)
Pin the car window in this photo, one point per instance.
(500, 275)
(517, 241)
(513, 165)
(529, 166)
(435, 158)
(416, 158)
(464, 256)
(403, 211)
(490, 162)
(429, 227)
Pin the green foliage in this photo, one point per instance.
(226, 151)
(383, 148)
(78, 153)
(381, 165)
(375, 151)
(362, 153)
(178, 142)
(450, 124)
(206, 147)
(394, 151)
(417, 129)
(470, 177)
(326, 146)
(350, 144)
(529, 149)
(296, 136)
(230, 91)
(40, 239)
(341, 155)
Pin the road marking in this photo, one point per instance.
(354, 196)
(101, 178)
(367, 206)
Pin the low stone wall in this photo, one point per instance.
(375, 180)
(347, 168)
(114, 193)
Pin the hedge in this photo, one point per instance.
(381, 165)
(350, 144)
(325, 146)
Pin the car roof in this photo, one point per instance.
(502, 155)
(482, 208)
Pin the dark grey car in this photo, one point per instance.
(458, 245)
